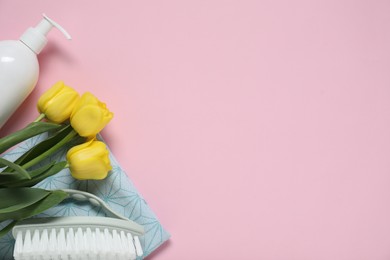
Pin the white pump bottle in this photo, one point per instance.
(19, 68)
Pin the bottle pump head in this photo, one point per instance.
(35, 37)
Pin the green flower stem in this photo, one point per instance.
(52, 150)
(40, 117)
(29, 131)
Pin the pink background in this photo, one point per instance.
(254, 129)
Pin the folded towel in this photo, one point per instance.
(116, 190)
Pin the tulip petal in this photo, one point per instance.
(58, 102)
(49, 94)
(60, 107)
(90, 170)
(89, 160)
(88, 121)
(75, 149)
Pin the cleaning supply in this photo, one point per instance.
(19, 68)
(118, 191)
(81, 237)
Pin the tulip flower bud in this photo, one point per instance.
(58, 102)
(89, 116)
(89, 161)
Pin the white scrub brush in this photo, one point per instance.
(80, 238)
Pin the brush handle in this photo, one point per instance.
(94, 200)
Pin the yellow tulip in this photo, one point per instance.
(58, 102)
(89, 161)
(89, 116)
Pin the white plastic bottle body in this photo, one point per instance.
(19, 70)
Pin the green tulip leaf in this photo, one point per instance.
(7, 228)
(14, 166)
(54, 198)
(8, 178)
(4, 175)
(29, 158)
(40, 170)
(53, 169)
(14, 199)
(29, 131)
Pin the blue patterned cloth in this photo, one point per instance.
(116, 190)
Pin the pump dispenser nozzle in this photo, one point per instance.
(35, 38)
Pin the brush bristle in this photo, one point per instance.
(71, 243)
